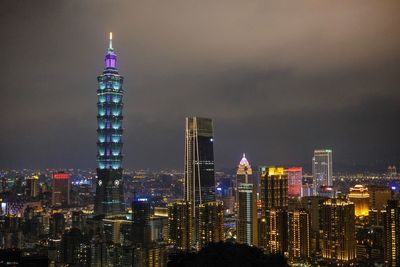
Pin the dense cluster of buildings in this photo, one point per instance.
(306, 218)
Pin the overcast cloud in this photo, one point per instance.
(279, 78)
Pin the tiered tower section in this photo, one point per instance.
(109, 192)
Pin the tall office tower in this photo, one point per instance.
(337, 228)
(199, 180)
(109, 198)
(274, 204)
(299, 235)
(61, 187)
(295, 176)
(322, 168)
(180, 225)
(391, 223)
(244, 174)
(32, 186)
(360, 197)
(211, 223)
(141, 231)
(246, 223)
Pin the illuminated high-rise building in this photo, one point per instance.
(109, 198)
(245, 202)
(61, 188)
(391, 223)
(360, 197)
(276, 231)
(141, 231)
(211, 223)
(180, 225)
(337, 229)
(199, 180)
(32, 186)
(299, 235)
(274, 204)
(246, 223)
(274, 188)
(294, 176)
(322, 168)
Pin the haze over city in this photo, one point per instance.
(279, 79)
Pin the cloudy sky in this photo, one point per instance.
(279, 78)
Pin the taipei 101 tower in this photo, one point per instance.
(109, 198)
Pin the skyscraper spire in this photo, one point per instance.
(110, 45)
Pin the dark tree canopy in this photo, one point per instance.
(226, 254)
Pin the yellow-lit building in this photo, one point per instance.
(299, 235)
(391, 224)
(337, 231)
(211, 223)
(274, 188)
(32, 186)
(180, 232)
(274, 204)
(360, 197)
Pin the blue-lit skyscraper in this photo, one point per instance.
(109, 190)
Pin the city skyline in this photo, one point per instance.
(245, 78)
(306, 91)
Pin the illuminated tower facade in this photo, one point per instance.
(199, 181)
(32, 186)
(360, 197)
(392, 233)
(61, 188)
(274, 188)
(211, 223)
(337, 229)
(246, 198)
(109, 190)
(246, 222)
(322, 168)
(180, 225)
(274, 205)
(299, 235)
(295, 176)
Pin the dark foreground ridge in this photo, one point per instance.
(226, 254)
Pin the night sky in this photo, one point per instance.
(279, 79)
